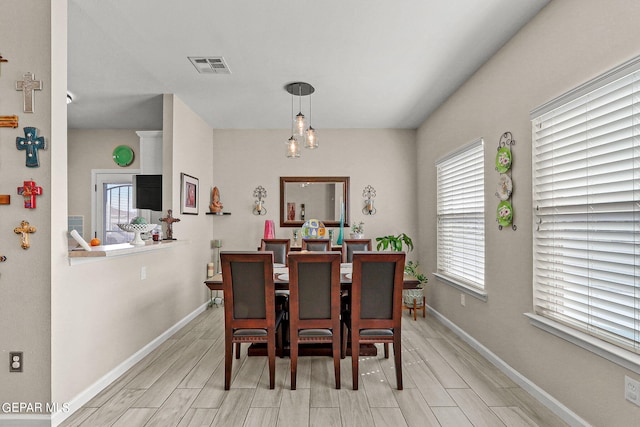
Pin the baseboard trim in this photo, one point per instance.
(28, 420)
(539, 394)
(84, 397)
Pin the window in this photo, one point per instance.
(118, 209)
(461, 217)
(586, 195)
(112, 203)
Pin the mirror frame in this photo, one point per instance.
(344, 180)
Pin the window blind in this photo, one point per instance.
(460, 214)
(586, 191)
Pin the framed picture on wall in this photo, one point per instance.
(189, 198)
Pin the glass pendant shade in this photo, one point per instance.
(299, 124)
(293, 149)
(311, 141)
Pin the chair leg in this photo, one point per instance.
(228, 359)
(355, 355)
(424, 307)
(293, 353)
(397, 353)
(386, 350)
(415, 309)
(337, 352)
(271, 353)
(280, 341)
(345, 340)
(237, 350)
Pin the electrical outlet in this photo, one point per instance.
(463, 301)
(143, 272)
(632, 390)
(16, 360)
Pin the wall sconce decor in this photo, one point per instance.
(369, 193)
(260, 194)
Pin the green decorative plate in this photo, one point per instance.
(504, 214)
(123, 155)
(503, 160)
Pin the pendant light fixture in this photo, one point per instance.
(293, 149)
(311, 139)
(299, 129)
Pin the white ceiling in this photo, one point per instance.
(373, 63)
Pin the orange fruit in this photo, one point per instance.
(95, 242)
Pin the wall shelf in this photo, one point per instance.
(219, 214)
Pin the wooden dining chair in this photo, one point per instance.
(249, 308)
(349, 246)
(279, 247)
(314, 305)
(376, 306)
(321, 245)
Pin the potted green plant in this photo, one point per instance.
(394, 242)
(411, 298)
(357, 230)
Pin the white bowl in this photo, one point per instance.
(137, 229)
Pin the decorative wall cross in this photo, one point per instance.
(31, 143)
(25, 229)
(169, 220)
(5, 199)
(8, 121)
(29, 191)
(27, 86)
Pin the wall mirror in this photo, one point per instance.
(314, 197)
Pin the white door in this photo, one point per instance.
(113, 204)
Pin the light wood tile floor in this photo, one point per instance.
(446, 383)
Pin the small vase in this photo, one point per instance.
(269, 229)
(357, 235)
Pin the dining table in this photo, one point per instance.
(281, 282)
(281, 279)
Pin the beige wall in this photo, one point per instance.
(568, 43)
(77, 323)
(93, 149)
(25, 293)
(382, 158)
(103, 312)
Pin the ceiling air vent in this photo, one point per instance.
(210, 64)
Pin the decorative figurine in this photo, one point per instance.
(216, 206)
(169, 220)
(31, 143)
(25, 229)
(28, 85)
(29, 191)
(8, 121)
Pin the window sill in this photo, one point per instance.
(467, 289)
(614, 354)
(108, 251)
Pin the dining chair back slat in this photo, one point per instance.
(279, 247)
(349, 246)
(314, 305)
(316, 245)
(376, 306)
(249, 309)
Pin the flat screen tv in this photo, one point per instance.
(147, 192)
